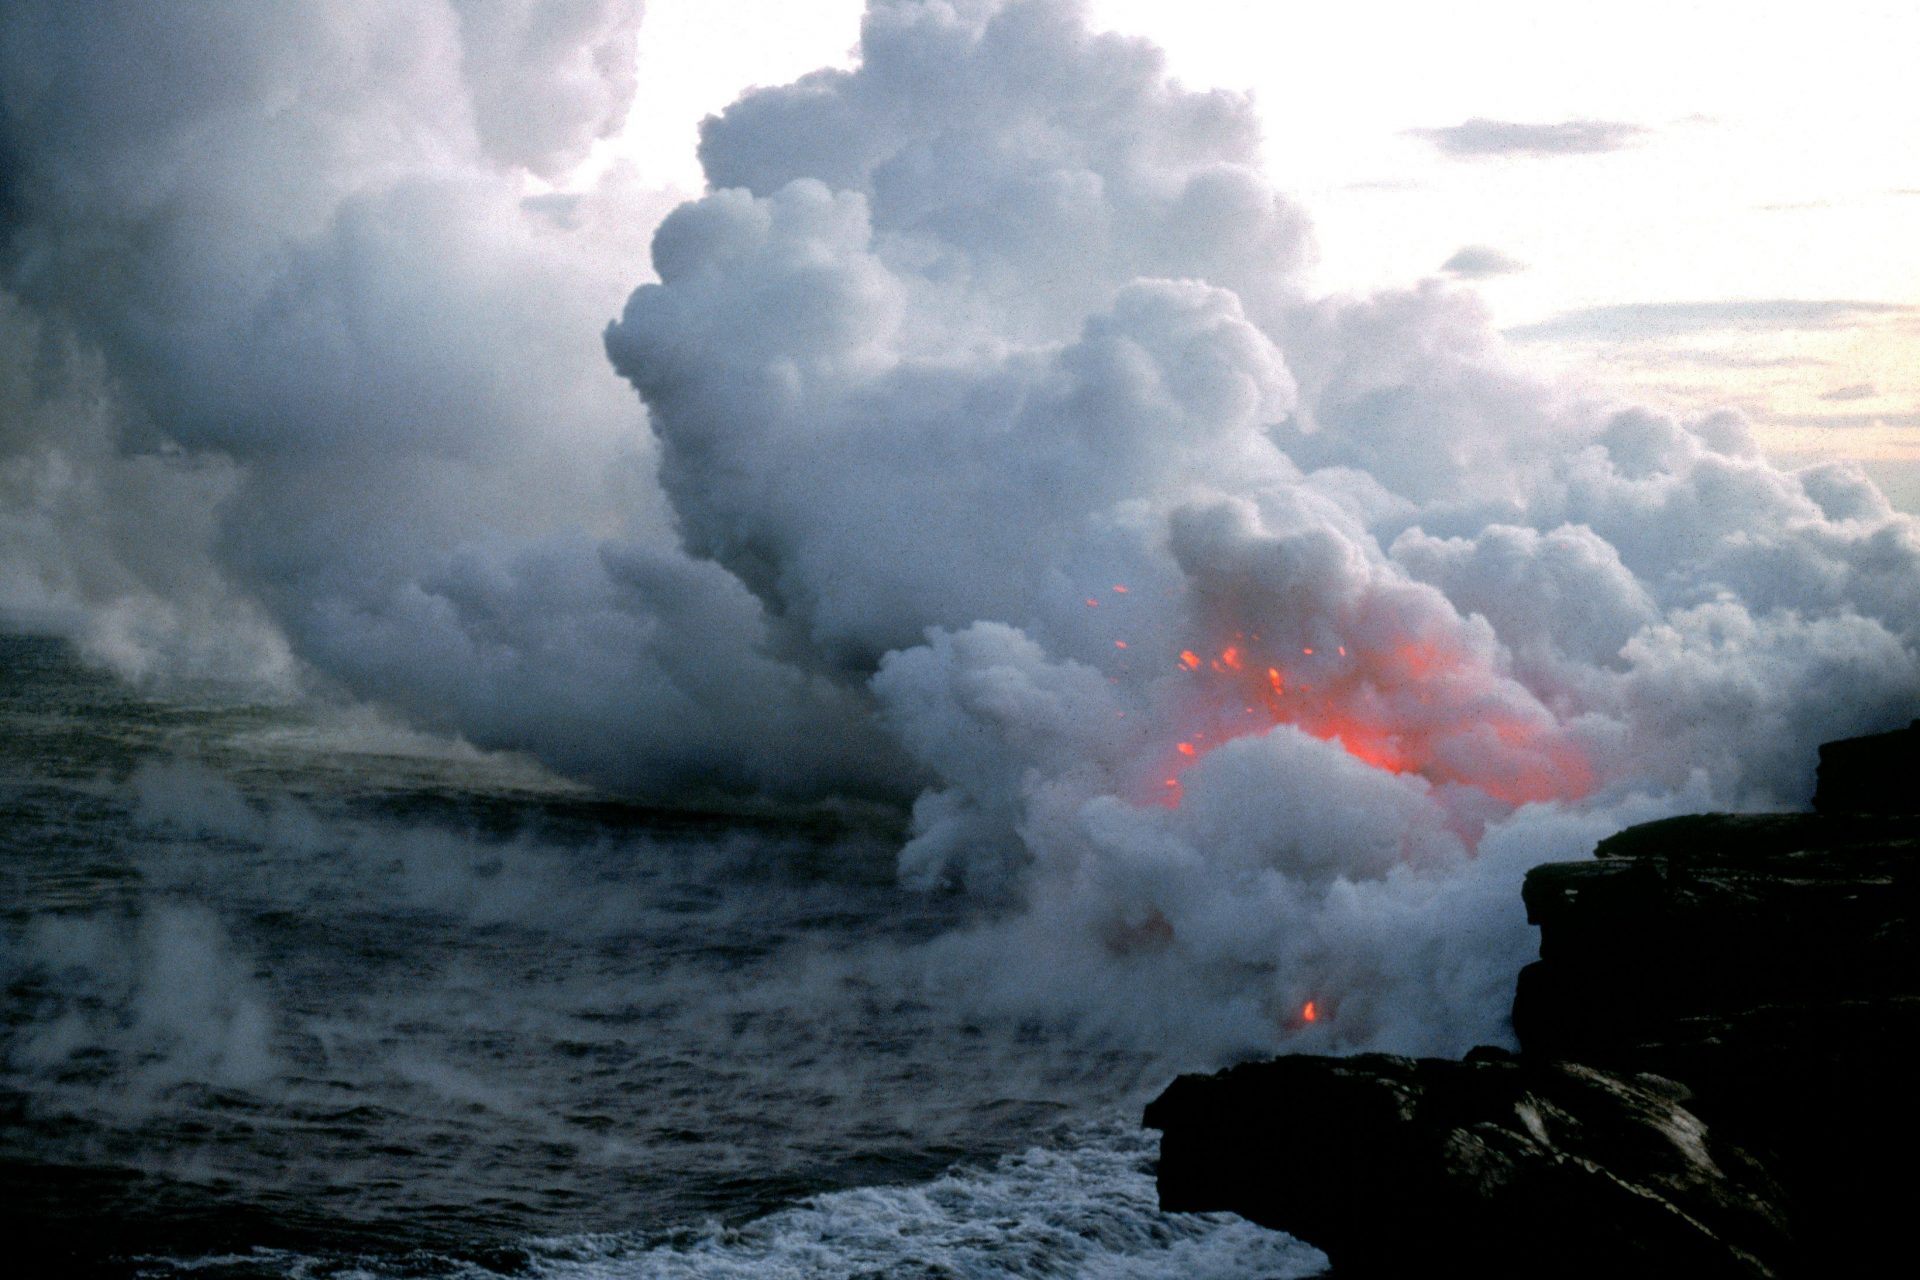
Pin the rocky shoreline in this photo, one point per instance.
(1714, 1076)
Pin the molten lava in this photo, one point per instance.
(1416, 706)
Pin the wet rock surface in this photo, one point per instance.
(1493, 1166)
(1714, 1079)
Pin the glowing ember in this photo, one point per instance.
(1309, 1013)
(1415, 706)
(1119, 644)
(1119, 590)
(1092, 603)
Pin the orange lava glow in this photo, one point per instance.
(1309, 1013)
(1418, 706)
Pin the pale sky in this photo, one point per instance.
(1697, 152)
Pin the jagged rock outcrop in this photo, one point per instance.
(1714, 1078)
(1876, 774)
(1772, 963)
(1714, 914)
(1490, 1167)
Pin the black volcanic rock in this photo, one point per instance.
(1713, 915)
(1490, 1167)
(1770, 962)
(1736, 837)
(1876, 774)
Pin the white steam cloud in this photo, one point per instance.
(1249, 644)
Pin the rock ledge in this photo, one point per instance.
(1714, 1076)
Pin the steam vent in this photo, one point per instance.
(1714, 1075)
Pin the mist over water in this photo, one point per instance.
(1104, 650)
(442, 1009)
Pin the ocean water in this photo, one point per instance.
(293, 994)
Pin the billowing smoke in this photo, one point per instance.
(1244, 646)
(359, 368)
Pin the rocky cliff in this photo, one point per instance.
(1714, 1076)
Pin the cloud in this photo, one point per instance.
(1858, 391)
(1693, 357)
(1385, 184)
(1481, 138)
(1479, 262)
(1635, 321)
(1237, 646)
(1844, 420)
(1702, 357)
(344, 418)
(1364, 552)
(548, 79)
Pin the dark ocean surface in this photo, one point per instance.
(298, 994)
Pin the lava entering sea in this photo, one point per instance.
(1416, 706)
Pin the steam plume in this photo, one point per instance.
(1252, 643)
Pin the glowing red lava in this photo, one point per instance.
(1416, 706)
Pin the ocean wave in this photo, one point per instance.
(1088, 1209)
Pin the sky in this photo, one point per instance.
(1714, 187)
